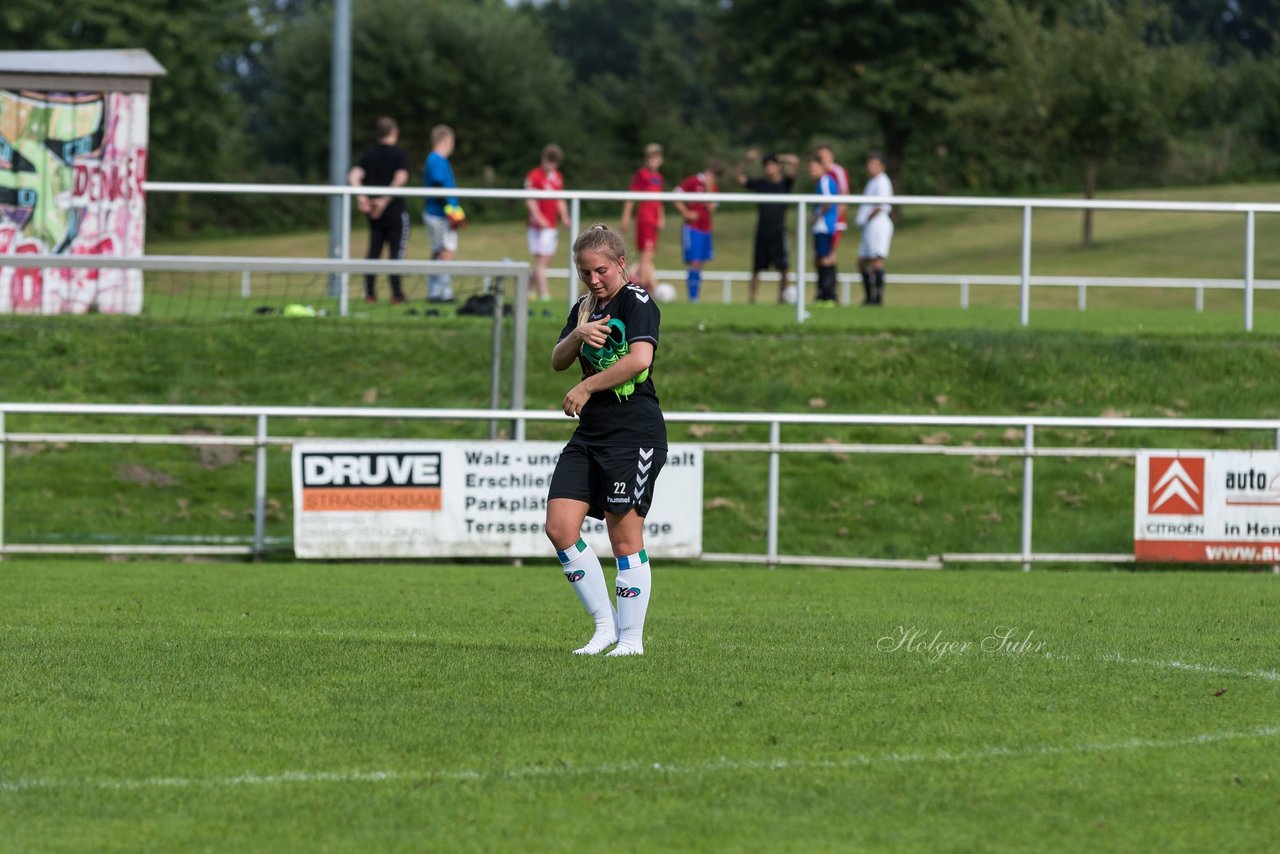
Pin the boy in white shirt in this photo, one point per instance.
(877, 231)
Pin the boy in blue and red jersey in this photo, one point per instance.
(824, 223)
(840, 176)
(696, 232)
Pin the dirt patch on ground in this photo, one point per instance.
(214, 457)
(134, 473)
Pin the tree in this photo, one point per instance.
(479, 66)
(818, 66)
(1230, 26)
(645, 71)
(1091, 81)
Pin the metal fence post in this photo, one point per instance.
(260, 490)
(520, 354)
(575, 222)
(1081, 298)
(495, 378)
(1028, 463)
(246, 288)
(964, 293)
(1199, 298)
(344, 296)
(801, 267)
(771, 528)
(1250, 223)
(1025, 310)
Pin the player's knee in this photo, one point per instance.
(626, 533)
(626, 545)
(561, 532)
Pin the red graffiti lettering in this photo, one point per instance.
(94, 182)
(26, 288)
(80, 180)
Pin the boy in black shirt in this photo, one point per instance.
(771, 227)
(383, 165)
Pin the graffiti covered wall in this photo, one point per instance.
(71, 173)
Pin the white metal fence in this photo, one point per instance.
(803, 202)
(1024, 554)
(964, 283)
(495, 276)
(247, 266)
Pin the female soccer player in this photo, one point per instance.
(608, 469)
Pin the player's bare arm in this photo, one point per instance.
(626, 213)
(636, 361)
(790, 164)
(355, 178)
(592, 334)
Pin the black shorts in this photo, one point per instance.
(771, 251)
(608, 479)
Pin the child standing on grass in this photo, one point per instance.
(650, 216)
(545, 216)
(824, 224)
(695, 234)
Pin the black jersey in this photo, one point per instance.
(772, 216)
(380, 164)
(627, 415)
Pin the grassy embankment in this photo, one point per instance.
(1130, 353)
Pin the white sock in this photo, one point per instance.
(582, 569)
(634, 581)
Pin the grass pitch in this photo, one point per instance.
(402, 707)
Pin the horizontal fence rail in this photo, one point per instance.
(729, 278)
(259, 417)
(801, 201)
(249, 266)
(340, 269)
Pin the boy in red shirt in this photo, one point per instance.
(650, 216)
(695, 234)
(545, 215)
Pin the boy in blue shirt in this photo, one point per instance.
(824, 229)
(442, 216)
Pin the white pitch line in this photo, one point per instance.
(719, 765)
(1269, 675)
